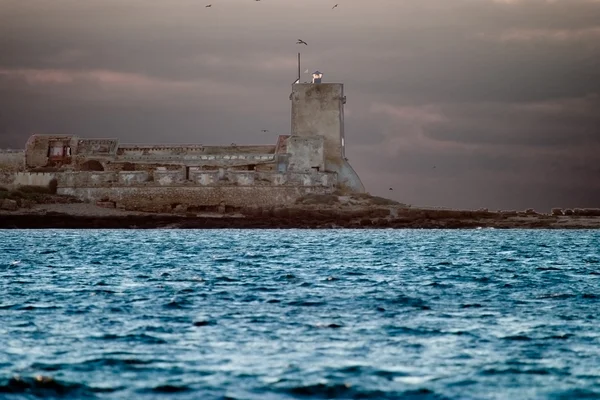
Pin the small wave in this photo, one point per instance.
(564, 336)
(556, 296)
(474, 305)
(530, 371)
(590, 296)
(265, 289)
(439, 285)
(204, 322)
(334, 390)
(404, 330)
(287, 277)
(178, 303)
(141, 337)
(170, 389)
(225, 279)
(410, 302)
(547, 269)
(32, 307)
(518, 338)
(306, 303)
(44, 386)
(331, 326)
(575, 394)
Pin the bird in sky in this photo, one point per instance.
(300, 41)
(334, 7)
(391, 188)
(264, 130)
(208, 5)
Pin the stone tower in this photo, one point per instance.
(318, 113)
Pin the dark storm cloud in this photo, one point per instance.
(500, 96)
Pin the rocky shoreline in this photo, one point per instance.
(297, 218)
(312, 212)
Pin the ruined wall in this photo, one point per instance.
(161, 199)
(306, 153)
(221, 178)
(33, 178)
(11, 162)
(37, 150)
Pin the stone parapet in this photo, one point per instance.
(168, 178)
(131, 178)
(160, 199)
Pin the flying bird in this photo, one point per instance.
(334, 7)
(208, 5)
(264, 130)
(391, 189)
(300, 41)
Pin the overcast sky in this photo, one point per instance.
(455, 103)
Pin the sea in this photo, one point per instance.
(300, 314)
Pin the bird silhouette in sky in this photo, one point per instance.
(208, 5)
(264, 130)
(300, 41)
(391, 189)
(334, 7)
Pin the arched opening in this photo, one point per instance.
(92, 165)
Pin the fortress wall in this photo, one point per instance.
(306, 153)
(130, 178)
(166, 178)
(230, 159)
(97, 147)
(33, 178)
(11, 162)
(191, 150)
(162, 198)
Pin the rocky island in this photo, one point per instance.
(303, 180)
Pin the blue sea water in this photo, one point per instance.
(300, 314)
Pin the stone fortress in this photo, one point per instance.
(166, 178)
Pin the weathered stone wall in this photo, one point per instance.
(231, 159)
(132, 178)
(167, 178)
(221, 177)
(11, 162)
(36, 151)
(318, 109)
(160, 199)
(97, 147)
(33, 178)
(305, 153)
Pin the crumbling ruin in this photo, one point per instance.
(197, 177)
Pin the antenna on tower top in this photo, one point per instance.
(298, 67)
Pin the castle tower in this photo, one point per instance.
(318, 111)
